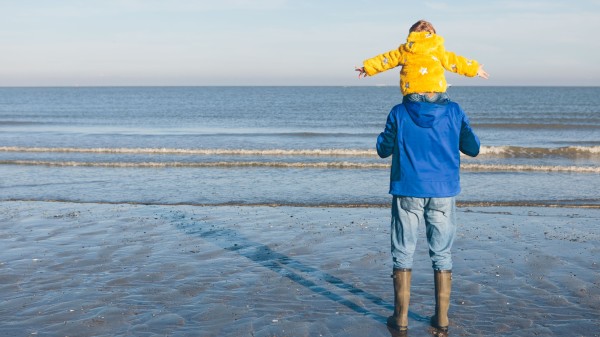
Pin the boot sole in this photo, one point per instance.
(395, 326)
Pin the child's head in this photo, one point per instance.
(422, 26)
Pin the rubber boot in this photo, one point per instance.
(443, 286)
(399, 320)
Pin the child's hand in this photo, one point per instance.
(361, 72)
(482, 73)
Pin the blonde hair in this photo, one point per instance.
(422, 26)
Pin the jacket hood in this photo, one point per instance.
(426, 115)
(422, 42)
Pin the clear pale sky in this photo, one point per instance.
(287, 42)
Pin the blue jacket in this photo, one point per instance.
(424, 140)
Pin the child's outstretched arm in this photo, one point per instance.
(381, 63)
(361, 71)
(461, 65)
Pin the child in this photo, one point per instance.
(424, 60)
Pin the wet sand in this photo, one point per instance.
(130, 270)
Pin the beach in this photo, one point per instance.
(118, 269)
(264, 211)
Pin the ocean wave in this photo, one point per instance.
(324, 165)
(205, 152)
(489, 151)
(302, 165)
(539, 152)
(529, 168)
(537, 126)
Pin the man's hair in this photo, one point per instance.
(422, 26)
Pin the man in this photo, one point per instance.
(424, 140)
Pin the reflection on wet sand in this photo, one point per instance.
(114, 270)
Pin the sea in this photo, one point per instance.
(283, 146)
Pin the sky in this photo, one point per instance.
(287, 42)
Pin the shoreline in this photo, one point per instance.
(566, 204)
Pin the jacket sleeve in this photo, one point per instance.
(469, 142)
(459, 64)
(383, 62)
(387, 139)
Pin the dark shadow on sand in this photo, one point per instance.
(287, 267)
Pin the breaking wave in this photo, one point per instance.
(302, 165)
(295, 158)
(488, 151)
(539, 152)
(217, 152)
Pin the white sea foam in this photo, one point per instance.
(308, 165)
(529, 168)
(535, 152)
(337, 165)
(220, 152)
(501, 151)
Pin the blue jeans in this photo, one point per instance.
(434, 97)
(438, 214)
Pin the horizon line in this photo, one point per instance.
(289, 85)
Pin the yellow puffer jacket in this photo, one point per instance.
(424, 60)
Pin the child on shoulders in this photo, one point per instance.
(424, 61)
